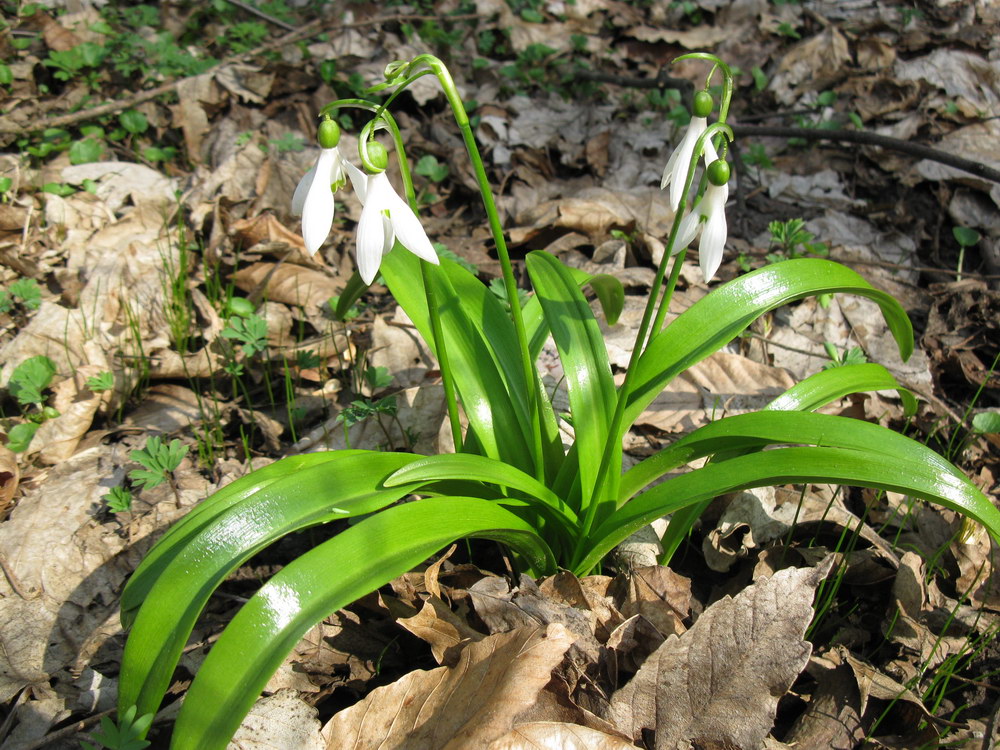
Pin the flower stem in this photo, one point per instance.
(530, 376)
(440, 349)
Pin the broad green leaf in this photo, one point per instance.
(716, 319)
(827, 386)
(482, 469)
(896, 473)
(584, 359)
(341, 570)
(182, 532)
(759, 429)
(348, 486)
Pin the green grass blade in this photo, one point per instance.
(827, 386)
(341, 570)
(351, 485)
(584, 358)
(897, 473)
(716, 319)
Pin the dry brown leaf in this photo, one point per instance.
(10, 475)
(812, 65)
(720, 682)
(470, 705)
(553, 735)
(832, 717)
(288, 283)
(56, 439)
(279, 722)
(442, 629)
(660, 595)
(190, 115)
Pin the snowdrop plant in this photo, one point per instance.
(511, 478)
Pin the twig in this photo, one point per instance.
(310, 29)
(865, 138)
(12, 580)
(261, 14)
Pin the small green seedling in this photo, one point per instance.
(24, 292)
(20, 435)
(853, 356)
(792, 240)
(378, 378)
(986, 423)
(101, 382)
(118, 500)
(431, 168)
(6, 183)
(30, 378)
(125, 735)
(158, 459)
(251, 331)
(500, 290)
(965, 237)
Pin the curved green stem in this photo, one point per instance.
(530, 376)
(447, 377)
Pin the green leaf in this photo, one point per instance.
(6, 183)
(86, 151)
(584, 357)
(965, 236)
(827, 386)
(431, 168)
(30, 378)
(759, 78)
(6, 75)
(133, 121)
(192, 559)
(27, 292)
(352, 564)
(986, 422)
(20, 435)
(716, 319)
(898, 472)
(58, 188)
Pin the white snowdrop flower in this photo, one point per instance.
(385, 218)
(313, 197)
(709, 219)
(675, 174)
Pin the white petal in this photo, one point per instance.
(371, 241)
(317, 209)
(684, 152)
(359, 180)
(713, 236)
(299, 196)
(409, 231)
(690, 226)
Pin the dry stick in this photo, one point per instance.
(865, 138)
(310, 29)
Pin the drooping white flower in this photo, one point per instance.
(676, 172)
(313, 197)
(385, 218)
(709, 219)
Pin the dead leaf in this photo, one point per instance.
(279, 722)
(288, 283)
(472, 704)
(10, 474)
(718, 684)
(660, 595)
(56, 439)
(442, 629)
(812, 65)
(551, 735)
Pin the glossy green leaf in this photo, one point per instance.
(339, 571)
(894, 473)
(347, 486)
(190, 526)
(827, 386)
(482, 469)
(716, 319)
(584, 357)
(760, 429)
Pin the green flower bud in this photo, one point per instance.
(718, 172)
(377, 155)
(328, 134)
(703, 104)
(393, 69)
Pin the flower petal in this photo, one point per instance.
(299, 196)
(713, 236)
(317, 209)
(409, 231)
(371, 242)
(684, 151)
(359, 180)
